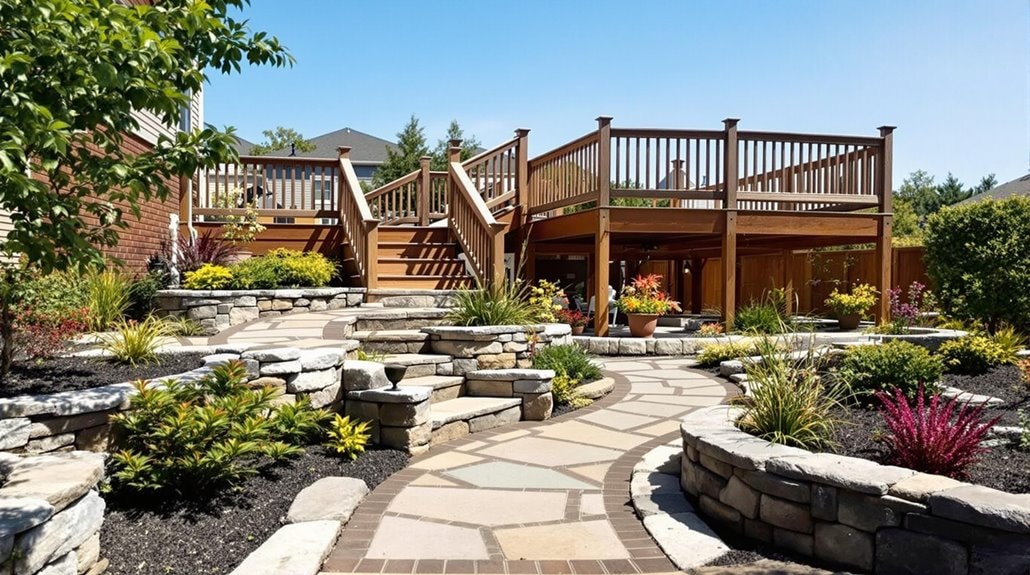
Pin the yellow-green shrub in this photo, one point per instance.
(209, 276)
(303, 269)
(973, 354)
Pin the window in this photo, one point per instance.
(186, 115)
(322, 191)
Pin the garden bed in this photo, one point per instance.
(1005, 467)
(214, 536)
(52, 375)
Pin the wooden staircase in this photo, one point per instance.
(419, 257)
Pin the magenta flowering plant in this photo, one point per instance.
(909, 311)
(933, 437)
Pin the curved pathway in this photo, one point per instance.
(536, 497)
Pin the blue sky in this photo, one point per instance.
(953, 76)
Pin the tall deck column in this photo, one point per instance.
(602, 254)
(885, 226)
(729, 232)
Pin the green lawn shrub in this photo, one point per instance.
(972, 354)
(867, 369)
(570, 360)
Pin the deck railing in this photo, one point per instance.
(479, 234)
(692, 168)
(495, 173)
(361, 227)
(282, 189)
(419, 198)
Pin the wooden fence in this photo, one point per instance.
(813, 275)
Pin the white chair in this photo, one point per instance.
(611, 305)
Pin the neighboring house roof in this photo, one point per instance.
(365, 148)
(1018, 187)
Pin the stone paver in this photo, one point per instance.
(533, 497)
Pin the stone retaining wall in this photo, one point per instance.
(218, 310)
(493, 347)
(848, 511)
(51, 513)
(532, 386)
(70, 420)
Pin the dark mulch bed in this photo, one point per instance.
(74, 373)
(215, 536)
(1004, 467)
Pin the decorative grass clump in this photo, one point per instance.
(570, 360)
(505, 304)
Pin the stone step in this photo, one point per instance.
(421, 364)
(457, 417)
(410, 298)
(393, 341)
(373, 319)
(445, 387)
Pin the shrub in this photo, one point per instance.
(209, 276)
(188, 438)
(867, 369)
(542, 298)
(207, 248)
(978, 256)
(789, 403)
(141, 294)
(759, 317)
(299, 423)
(302, 269)
(1009, 342)
(108, 299)
(858, 302)
(715, 353)
(346, 437)
(136, 342)
(40, 335)
(927, 438)
(905, 314)
(500, 305)
(570, 360)
(563, 390)
(972, 354)
(257, 273)
(54, 293)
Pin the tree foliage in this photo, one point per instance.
(978, 256)
(412, 145)
(74, 74)
(280, 138)
(469, 146)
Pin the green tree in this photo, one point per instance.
(950, 191)
(469, 146)
(978, 256)
(411, 145)
(906, 224)
(279, 138)
(74, 74)
(988, 182)
(920, 192)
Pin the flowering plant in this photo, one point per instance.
(644, 295)
(904, 315)
(858, 302)
(574, 318)
(546, 298)
(710, 329)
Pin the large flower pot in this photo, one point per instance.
(642, 324)
(849, 322)
(578, 329)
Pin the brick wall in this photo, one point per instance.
(145, 236)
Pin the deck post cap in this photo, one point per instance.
(730, 122)
(884, 130)
(343, 151)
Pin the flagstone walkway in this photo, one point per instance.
(536, 497)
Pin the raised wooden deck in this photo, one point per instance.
(613, 194)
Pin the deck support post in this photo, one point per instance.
(729, 232)
(788, 282)
(602, 254)
(697, 267)
(522, 191)
(425, 189)
(885, 226)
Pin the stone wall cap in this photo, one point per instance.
(273, 354)
(851, 473)
(741, 449)
(480, 330)
(983, 506)
(511, 374)
(325, 291)
(408, 394)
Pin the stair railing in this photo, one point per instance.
(498, 175)
(480, 236)
(418, 198)
(356, 218)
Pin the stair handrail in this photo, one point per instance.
(410, 199)
(505, 165)
(479, 234)
(356, 218)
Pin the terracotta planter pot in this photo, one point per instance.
(642, 324)
(849, 322)
(578, 329)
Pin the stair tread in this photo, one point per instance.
(433, 381)
(410, 359)
(420, 260)
(468, 407)
(390, 335)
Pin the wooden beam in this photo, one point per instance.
(729, 268)
(604, 160)
(601, 280)
(579, 224)
(883, 269)
(666, 221)
(857, 225)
